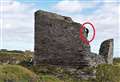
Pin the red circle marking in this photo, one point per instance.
(82, 37)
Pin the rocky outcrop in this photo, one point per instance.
(106, 50)
(57, 42)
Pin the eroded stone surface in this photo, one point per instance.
(106, 50)
(57, 42)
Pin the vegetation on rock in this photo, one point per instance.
(14, 56)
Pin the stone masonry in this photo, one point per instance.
(57, 42)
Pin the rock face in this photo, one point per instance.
(106, 50)
(57, 42)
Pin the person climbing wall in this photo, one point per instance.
(87, 31)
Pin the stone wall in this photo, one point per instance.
(57, 42)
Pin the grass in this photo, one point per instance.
(16, 72)
(48, 78)
(15, 58)
(21, 74)
(48, 73)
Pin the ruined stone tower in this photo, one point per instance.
(57, 42)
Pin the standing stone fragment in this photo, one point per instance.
(57, 40)
(106, 50)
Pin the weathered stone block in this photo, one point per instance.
(57, 40)
(106, 50)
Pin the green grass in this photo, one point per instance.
(104, 73)
(15, 72)
(48, 78)
(47, 73)
(15, 58)
(108, 73)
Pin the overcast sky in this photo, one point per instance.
(17, 20)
